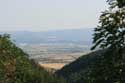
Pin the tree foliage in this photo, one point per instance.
(15, 67)
(119, 3)
(110, 36)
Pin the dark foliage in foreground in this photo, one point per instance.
(110, 35)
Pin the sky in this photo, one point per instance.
(40, 15)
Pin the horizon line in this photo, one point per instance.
(45, 30)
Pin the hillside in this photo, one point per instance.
(15, 67)
(75, 71)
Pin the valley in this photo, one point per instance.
(55, 56)
(54, 48)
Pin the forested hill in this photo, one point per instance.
(75, 72)
(15, 67)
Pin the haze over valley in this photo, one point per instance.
(54, 49)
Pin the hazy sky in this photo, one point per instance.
(49, 14)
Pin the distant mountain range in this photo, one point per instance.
(83, 36)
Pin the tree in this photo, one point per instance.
(110, 37)
(120, 3)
